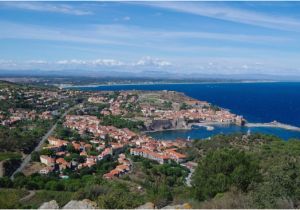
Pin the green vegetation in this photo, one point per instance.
(119, 196)
(159, 181)
(24, 136)
(167, 104)
(63, 132)
(222, 169)
(9, 198)
(52, 182)
(262, 171)
(234, 171)
(9, 155)
(184, 106)
(171, 174)
(47, 195)
(120, 122)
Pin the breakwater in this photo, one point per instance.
(274, 124)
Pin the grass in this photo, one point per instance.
(9, 198)
(9, 155)
(40, 197)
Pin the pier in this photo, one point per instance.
(274, 124)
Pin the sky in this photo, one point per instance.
(171, 37)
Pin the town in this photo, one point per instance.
(108, 126)
(104, 141)
(119, 140)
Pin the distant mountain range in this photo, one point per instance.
(155, 74)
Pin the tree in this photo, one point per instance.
(5, 182)
(160, 194)
(119, 198)
(221, 169)
(47, 152)
(184, 106)
(35, 156)
(55, 185)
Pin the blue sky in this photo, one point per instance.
(176, 37)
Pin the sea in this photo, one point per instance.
(257, 102)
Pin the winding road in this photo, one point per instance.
(39, 146)
(27, 197)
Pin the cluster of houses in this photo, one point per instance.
(59, 162)
(124, 137)
(15, 115)
(109, 140)
(116, 105)
(46, 103)
(119, 139)
(91, 124)
(201, 115)
(195, 110)
(122, 168)
(159, 151)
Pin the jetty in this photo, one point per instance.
(274, 124)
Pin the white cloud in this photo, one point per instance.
(73, 61)
(190, 66)
(7, 63)
(137, 37)
(218, 11)
(107, 62)
(149, 61)
(47, 7)
(97, 62)
(36, 62)
(79, 63)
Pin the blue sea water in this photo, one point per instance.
(257, 102)
(202, 132)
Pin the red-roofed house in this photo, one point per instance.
(47, 160)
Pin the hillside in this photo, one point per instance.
(233, 171)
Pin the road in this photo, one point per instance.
(189, 177)
(27, 197)
(39, 146)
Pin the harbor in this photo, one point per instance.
(201, 131)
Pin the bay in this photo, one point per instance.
(257, 102)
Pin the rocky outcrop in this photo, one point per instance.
(49, 205)
(84, 204)
(179, 206)
(163, 124)
(150, 205)
(160, 125)
(147, 205)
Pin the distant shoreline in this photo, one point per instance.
(65, 86)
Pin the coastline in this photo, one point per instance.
(66, 86)
(189, 127)
(248, 125)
